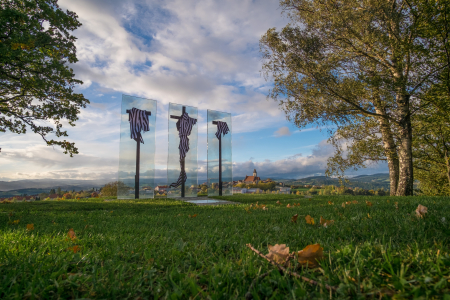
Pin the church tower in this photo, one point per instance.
(254, 172)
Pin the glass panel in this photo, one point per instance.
(137, 148)
(182, 141)
(219, 122)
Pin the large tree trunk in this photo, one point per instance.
(390, 149)
(406, 178)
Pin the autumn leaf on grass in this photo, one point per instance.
(421, 211)
(355, 202)
(325, 223)
(75, 249)
(348, 203)
(396, 205)
(278, 253)
(278, 202)
(368, 203)
(331, 203)
(30, 227)
(368, 215)
(193, 216)
(311, 255)
(343, 205)
(309, 220)
(71, 234)
(294, 218)
(265, 208)
(288, 206)
(15, 222)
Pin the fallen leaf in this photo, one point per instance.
(355, 202)
(71, 234)
(278, 253)
(343, 205)
(309, 220)
(75, 249)
(30, 227)
(310, 256)
(325, 223)
(193, 216)
(348, 203)
(278, 202)
(15, 222)
(396, 205)
(288, 206)
(331, 203)
(369, 203)
(421, 211)
(388, 201)
(294, 218)
(368, 215)
(265, 208)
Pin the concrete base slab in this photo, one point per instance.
(205, 201)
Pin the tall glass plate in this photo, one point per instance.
(175, 163)
(219, 150)
(137, 156)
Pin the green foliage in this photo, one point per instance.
(36, 82)
(357, 65)
(110, 189)
(152, 249)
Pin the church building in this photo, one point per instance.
(252, 179)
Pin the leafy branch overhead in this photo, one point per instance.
(36, 81)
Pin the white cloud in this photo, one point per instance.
(283, 131)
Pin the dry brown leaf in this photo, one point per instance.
(309, 220)
(265, 208)
(331, 203)
(294, 218)
(75, 249)
(343, 205)
(355, 202)
(278, 202)
(369, 203)
(71, 234)
(193, 216)
(278, 253)
(325, 223)
(421, 211)
(368, 215)
(288, 206)
(311, 255)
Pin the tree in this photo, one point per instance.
(36, 83)
(349, 62)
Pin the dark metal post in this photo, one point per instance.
(138, 158)
(220, 161)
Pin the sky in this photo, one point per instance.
(202, 53)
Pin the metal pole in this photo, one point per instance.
(183, 165)
(220, 165)
(136, 177)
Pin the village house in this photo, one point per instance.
(252, 179)
(161, 188)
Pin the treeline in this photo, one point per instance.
(335, 190)
(270, 186)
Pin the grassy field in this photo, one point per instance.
(153, 249)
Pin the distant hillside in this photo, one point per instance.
(368, 182)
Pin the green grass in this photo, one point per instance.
(152, 249)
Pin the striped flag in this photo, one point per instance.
(184, 127)
(222, 128)
(138, 122)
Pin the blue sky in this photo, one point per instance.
(201, 53)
